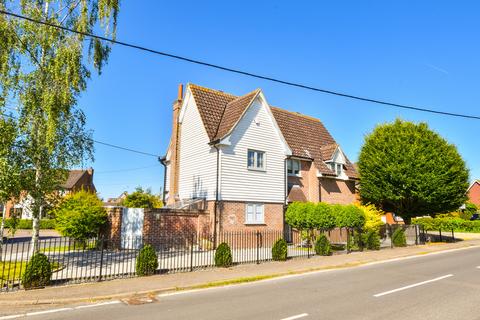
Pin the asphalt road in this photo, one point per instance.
(440, 286)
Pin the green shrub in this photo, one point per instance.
(37, 272)
(349, 216)
(80, 215)
(372, 240)
(147, 261)
(398, 238)
(279, 250)
(27, 223)
(142, 199)
(322, 246)
(223, 256)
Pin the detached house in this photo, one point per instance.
(246, 160)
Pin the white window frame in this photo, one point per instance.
(254, 213)
(337, 168)
(255, 160)
(290, 163)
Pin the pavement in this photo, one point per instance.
(345, 286)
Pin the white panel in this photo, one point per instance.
(132, 228)
(198, 159)
(255, 131)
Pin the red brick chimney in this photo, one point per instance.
(175, 148)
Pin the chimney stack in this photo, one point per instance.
(175, 148)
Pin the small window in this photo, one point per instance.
(337, 168)
(256, 160)
(293, 167)
(254, 213)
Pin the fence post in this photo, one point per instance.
(191, 252)
(441, 238)
(101, 259)
(453, 236)
(348, 241)
(258, 247)
(416, 234)
(390, 231)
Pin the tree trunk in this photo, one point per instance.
(36, 213)
(2, 227)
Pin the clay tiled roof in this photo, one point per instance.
(328, 150)
(296, 195)
(73, 177)
(210, 104)
(233, 112)
(306, 136)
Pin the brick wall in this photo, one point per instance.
(232, 217)
(113, 230)
(307, 181)
(474, 194)
(337, 191)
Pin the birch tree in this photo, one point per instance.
(43, 71)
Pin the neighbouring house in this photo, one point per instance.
(113, 202)
(473, 193)
(246, 160)
(77, 180)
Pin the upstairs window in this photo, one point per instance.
(256, 160)
(337, 168)
(293, 167)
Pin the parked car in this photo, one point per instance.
(474, 216)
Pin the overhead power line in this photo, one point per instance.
(245, 73)
(111, 145)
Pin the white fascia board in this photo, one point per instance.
(185, 103)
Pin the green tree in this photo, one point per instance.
(10, 168)
(142, 199)
(410, 170)
(44, 70)
(80, 215)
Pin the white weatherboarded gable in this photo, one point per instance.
(257, 130)
(198, 159)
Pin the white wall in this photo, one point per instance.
(238, 183)
(197, 177)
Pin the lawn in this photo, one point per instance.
(12, 271)
(70, 247)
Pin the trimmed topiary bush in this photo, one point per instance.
(372, 240)
(37, 272)
(223, 256)
(398, 238)
(322, 246)
(279, 250)
(147, 261)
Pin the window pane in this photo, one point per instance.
(250, 214)
(260, 160)
(296, 166)
(289, 166)
(259, 213)
(251, 159)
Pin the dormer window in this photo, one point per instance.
(293, 167)
(337, 168)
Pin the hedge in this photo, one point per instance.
(456, 224)
(27, 223)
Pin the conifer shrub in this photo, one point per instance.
(322, 246)
(223, 256)
(37, 272)
(398, 238)
(372, 240)
(279, 250)
(147, 261)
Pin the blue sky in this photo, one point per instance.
(411, 52)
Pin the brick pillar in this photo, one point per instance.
(114, 228)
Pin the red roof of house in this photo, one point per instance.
(306, 136)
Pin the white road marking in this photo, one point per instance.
(47, 311)
(15, 316)
(37, 313)
(98, 304)
(298, 316)
(412, 286)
